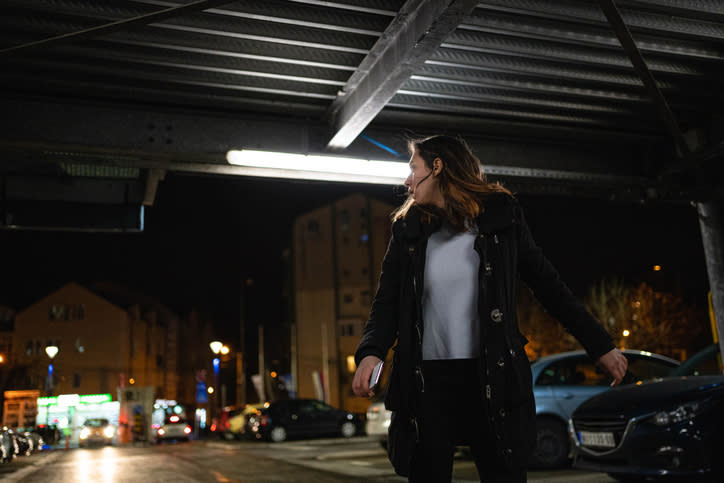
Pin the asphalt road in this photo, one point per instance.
(359, 459)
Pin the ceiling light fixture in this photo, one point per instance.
(317, 167)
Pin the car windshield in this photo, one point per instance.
(704, 363)
(96, 423)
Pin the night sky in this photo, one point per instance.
(206, 235)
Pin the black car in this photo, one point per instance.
(302, 418)
(670, 427)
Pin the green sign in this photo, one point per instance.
(95, 398)
(47, 401)
(73, 399)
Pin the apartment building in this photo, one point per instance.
(338, 251)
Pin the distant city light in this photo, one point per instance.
(657, 268)
(273, 374)
(225, 349)
(131, 381)
(210, 390)
(626, 333)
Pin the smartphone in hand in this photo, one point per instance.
(376, 373)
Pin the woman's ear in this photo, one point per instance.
(437, 166)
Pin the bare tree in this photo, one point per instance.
(637, 317)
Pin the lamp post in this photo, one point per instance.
(216, 349)
(51, 351)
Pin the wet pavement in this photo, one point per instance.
(357, 459)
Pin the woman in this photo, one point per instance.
(446, 294)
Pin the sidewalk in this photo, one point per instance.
(22, 466)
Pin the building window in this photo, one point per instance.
(313, 227)
(76, 379)
(348, 298)
(66, 312)
(29, 348)
(344, 220)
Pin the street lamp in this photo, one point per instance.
(216, 348)
(51, 351)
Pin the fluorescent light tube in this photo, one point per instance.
(316, 167)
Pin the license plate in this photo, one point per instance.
(600, 440)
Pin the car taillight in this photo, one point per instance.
(161, 431)
(187, 430)
(264, 420)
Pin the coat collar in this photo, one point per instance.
(498, 215)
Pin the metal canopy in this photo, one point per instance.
(542, 89)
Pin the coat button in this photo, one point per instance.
(496, 315)
(502, 413)
(501, 363)
(488, 269)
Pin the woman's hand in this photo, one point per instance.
(361, 382)
(615, 364)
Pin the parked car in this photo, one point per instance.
(35, 440)
(173, 428)
(237, 426)
(302, 418)
(378, 420)
(666, 427)
(8, 445)
(96, 431)
(561, 382)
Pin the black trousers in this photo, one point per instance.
(453, 413)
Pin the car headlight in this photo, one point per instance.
(681, 413)
(84, 433)
(108, 432)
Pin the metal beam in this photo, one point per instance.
(628, 44)
(152, 179)
(116, 26)
(412, 37)
(711, 224)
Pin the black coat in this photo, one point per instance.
(506, 250)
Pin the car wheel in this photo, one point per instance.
(278, 434)
(348, 429)
(551, 449)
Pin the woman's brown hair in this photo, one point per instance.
(462, 182)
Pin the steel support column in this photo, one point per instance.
(712, 236)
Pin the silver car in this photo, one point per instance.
(561, 382)
(378, 421)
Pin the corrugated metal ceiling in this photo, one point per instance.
(521, 70)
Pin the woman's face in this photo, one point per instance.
(421, 184)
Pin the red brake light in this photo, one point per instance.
(174, 419)
(264, 420)
(187, 430)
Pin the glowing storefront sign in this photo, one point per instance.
(69, 400)
(95, 398)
